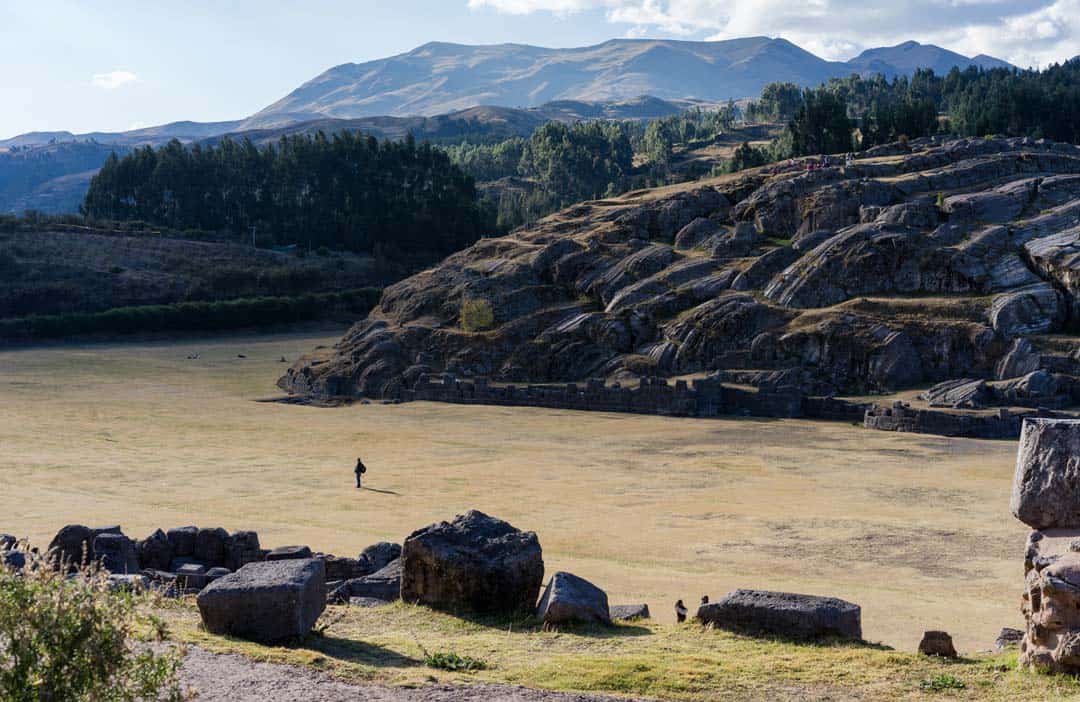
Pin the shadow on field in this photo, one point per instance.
(360, 652)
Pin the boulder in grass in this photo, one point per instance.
(1008, 638)
(1046, 486)
(7, 541)
(784, 614)
(475, 563)
(569, 599)
(116, 553)
(628, 613)
(289, 553)
(266, 602)
(73, 545)
(937, 643)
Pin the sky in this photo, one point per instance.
(113, 65)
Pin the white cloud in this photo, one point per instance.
(1025, 32)
(112, 81)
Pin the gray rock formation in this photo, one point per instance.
(1051, 606)
(784, 614)
(475, 563)
(266, 602)
(851, 280)
(1046, 487)
(183, 541)
(569, 599)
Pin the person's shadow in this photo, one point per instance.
(382, 492)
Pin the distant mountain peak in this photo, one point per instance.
(442, 77)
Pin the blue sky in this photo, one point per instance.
(109, 65)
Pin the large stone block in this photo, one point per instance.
(784, 614)
(475, 563)
(569, 598)
(156, 551)
(1051, 607)
(384, 584)
(116, 553)
(183, 540)
(267, 602)
(1046, 487)
(210, 546)
(73, 545)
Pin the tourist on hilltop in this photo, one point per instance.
(680, 612)
(359, 470)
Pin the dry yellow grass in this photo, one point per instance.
(915, 529)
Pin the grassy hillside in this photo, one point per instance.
(80, 274)
(390, 645)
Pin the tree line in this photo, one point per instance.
(396, 200)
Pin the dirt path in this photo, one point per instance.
(230, 678)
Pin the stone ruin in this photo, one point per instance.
(1046, 497)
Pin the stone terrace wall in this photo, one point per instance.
(901, 417)
(706, 397)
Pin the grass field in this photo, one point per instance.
(915, 529)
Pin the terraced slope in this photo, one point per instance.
(939, 261)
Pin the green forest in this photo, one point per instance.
(395, 200)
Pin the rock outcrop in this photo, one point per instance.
(784, 614)
(474, 564)
(846, 280)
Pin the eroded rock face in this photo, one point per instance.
(1046, 487)
(475, 563)
(1051, 605)
(856, 277)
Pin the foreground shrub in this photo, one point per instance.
(69, 639)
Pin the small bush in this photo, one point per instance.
(941, 682)
(72, 639)
(476, 314)
(453, 662)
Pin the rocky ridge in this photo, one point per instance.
(915, 264)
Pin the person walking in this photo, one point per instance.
(680, 612)
(359, 470)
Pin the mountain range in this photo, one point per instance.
(446, 92)
(438, 78)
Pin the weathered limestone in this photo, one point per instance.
(475, 563)
(116, 553)
(1051, 605)
(1046, 487)
(266, 602)
(784, 614)
(73, 545)
(569, 599)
